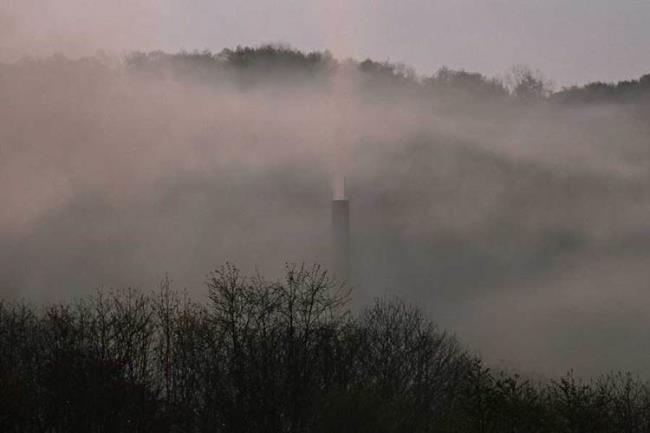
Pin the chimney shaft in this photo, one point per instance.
(341, 238)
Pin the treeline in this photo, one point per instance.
(275, 356)
(254, 64)
(249, 66)
(629, 91)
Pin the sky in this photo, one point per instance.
(570, 41)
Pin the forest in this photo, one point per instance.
(250, 64)
(276, 356)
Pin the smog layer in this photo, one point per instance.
(515, 216)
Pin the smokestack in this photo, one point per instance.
(340, 231)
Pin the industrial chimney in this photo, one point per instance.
(340, 231)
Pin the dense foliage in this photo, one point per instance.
(286, 356)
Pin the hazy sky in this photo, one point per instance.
(571, 41)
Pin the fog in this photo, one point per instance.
(521, 227)
(78, 27)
